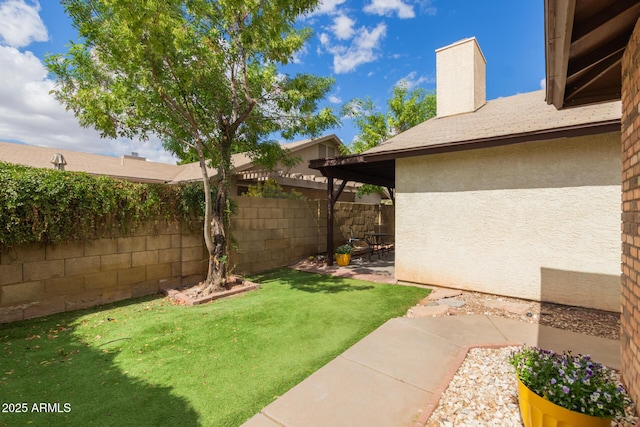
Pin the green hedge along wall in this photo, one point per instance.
(50, 206)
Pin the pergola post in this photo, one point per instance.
(332, 198)
(329, 220)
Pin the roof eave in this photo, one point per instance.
(606, 126)
(558, 27)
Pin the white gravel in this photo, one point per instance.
(482, 393)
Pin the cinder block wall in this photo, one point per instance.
(363, 219)
(630, 337)
(38, 280)
(272, 233)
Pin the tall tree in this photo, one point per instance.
(406, 109)
(202, 75)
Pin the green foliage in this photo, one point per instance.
(200, 75)
(406, 108)
(270, 189)
(344, 249)
(371, 123)
(49, 206)
(573, 382)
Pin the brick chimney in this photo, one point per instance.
(460, 78)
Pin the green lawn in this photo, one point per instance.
(146, 362)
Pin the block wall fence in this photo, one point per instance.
(271, 233)
(630, 303)
(37, 279)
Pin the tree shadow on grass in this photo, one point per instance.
(311, 282)
(65, 381)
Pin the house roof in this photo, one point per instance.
(501, 118)
(242, 162)
(130, 167)
(514, 119)
(585, 40)
(125, 167)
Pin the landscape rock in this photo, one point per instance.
(439, 294)
(430, 311)
(511, 307)
(451, 302)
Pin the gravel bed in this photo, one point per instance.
(483, 391)
(599, 323)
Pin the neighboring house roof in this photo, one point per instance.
(242, 162)
(520, 118)
(125, 167)
(191, 171)
(130, 167)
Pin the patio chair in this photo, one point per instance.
(360, 245)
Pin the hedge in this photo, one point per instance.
(49, 206)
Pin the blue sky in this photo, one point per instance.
(367, 46)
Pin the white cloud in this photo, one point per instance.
(327, 7)
(412, 80)
(297, 56)
(324, 39)
(363, 49)
(21, 24)
(389, 7)
(543, 84)
(29, 114)
(342, 27)
(426, 8)
(335, 99)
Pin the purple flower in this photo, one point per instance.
(565, 389)
(553, 381)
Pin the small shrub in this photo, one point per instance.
(344, 249)
(270, 189)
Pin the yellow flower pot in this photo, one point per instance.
(343, 259)
(537, 411)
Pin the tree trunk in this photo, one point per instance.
(214, 228)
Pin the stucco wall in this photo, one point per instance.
(538, 221)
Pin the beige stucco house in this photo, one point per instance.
(508, 196)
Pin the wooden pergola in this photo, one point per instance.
(367, 169)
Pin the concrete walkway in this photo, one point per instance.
(395, 375)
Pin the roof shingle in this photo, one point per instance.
(502, 117)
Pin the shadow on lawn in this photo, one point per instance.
(45, 362)
(311, 282)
